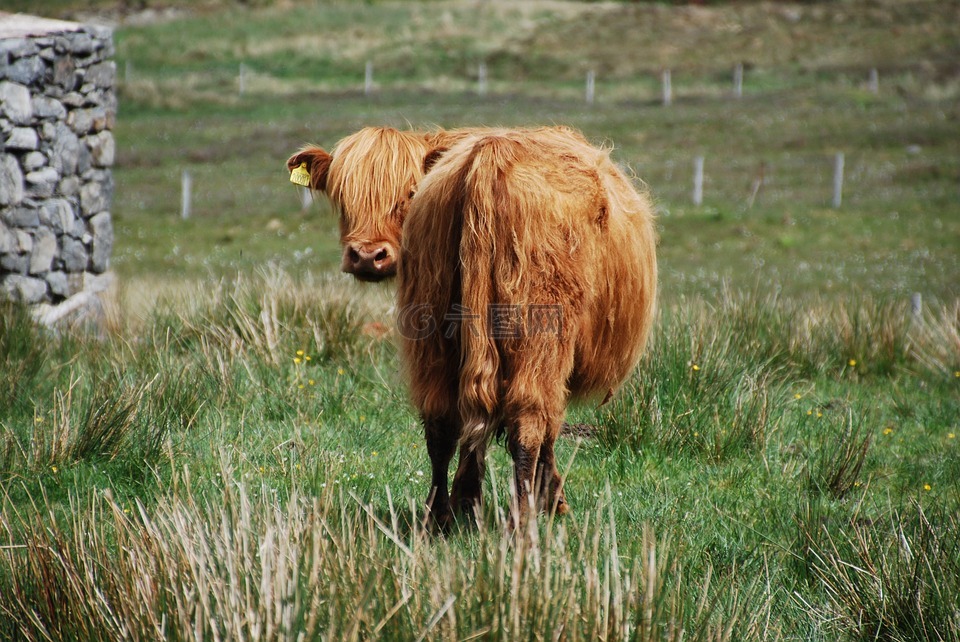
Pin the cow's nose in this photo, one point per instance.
(370, 261)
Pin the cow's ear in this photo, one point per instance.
(317, 165)
(432, 157)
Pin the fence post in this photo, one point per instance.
(591, 86)
(738, 80)
(698, 181)
(368, 78)
(185, 184)
(241, 84)
(667, 88)
(874, 83)
(838, 180)
(482, 79)
(916, 305)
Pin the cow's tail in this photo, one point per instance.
(480, 359)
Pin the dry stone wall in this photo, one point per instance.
(57, 110)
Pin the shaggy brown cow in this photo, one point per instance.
(544, 254)
(527, 274)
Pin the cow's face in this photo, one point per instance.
(370, 178)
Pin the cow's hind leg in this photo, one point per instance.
(468, 480)
(442, 435)
(550, 483)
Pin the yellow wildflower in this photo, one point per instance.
(887, 431)
(927, 487)
(950, 435)
(852, 363)
(339, 371)
(696, 368)
(297, 360)
(299, 353)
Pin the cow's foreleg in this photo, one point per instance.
(442, 438)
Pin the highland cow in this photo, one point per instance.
(527, 275)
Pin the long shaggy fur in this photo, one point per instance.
(522, 221)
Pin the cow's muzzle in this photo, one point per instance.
(369, 261)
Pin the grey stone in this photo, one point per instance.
(42, 182)
(15, 263)
(101, 119)
(80, 120)
(26, 71)
(65, 73)
(69, 186)
(19, 47)
(24, 138)
(24, 288)
(58, 283)
(84, 161)
(57, 215)
(44, 107)
(101, 75)
(24, 241)
(101, 148)
(48, 54)
(15, 102)
(44, 249)
(21, 217)
(8, 240)
(95, 197)
(48, 131)
(11, 180)
(74, 254)
(33, 160)
(73, 99)
(66, 150)
(102, 229)
(81, 42)
(78, 230)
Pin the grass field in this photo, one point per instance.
(233, 455)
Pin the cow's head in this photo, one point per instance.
(370, 177)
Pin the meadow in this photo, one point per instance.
(230, 453)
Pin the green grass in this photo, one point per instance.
(739, 479)
(782, 465)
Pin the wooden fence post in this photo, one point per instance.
(838, 180)
(591, 86)
(667, 88)
(698, 181)
(185, 185)
(368, 78)
(738, 80)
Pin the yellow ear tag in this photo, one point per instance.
(300, 176)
